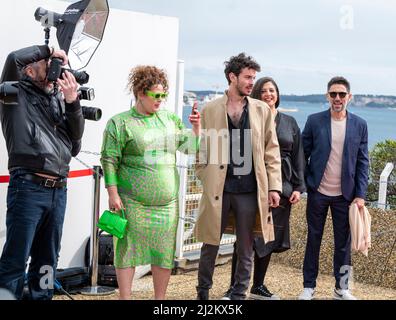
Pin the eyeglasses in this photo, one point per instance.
(342, 95)
(157, 95)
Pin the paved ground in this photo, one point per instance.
(282, 280)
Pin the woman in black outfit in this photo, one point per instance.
(293, 185)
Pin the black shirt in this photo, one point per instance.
(240, 176)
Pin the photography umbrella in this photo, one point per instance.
(81, 30)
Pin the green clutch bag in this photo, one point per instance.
(113, 223)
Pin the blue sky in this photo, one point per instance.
(302, 44)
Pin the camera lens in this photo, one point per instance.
(91, 113)
(81, 76)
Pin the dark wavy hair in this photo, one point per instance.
(339, 80)
(256, 92)
(239, 62)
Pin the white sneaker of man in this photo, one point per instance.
(343, 294)
(307, 294)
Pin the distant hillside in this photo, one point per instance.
(311, 98)
(359, 100)
(202, 93)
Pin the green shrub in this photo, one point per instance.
(382, 153)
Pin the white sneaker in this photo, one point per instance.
(307, 294)
(343, 294)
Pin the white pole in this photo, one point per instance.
(183, 171)
(182, 160)
(383, 185)
(179, 88)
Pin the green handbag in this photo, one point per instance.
(113, 223)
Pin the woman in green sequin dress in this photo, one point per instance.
(139, 164)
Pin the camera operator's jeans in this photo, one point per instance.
(34, 222)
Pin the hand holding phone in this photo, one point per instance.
(194, 108)
(195, 119)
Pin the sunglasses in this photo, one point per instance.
(157, 95)
(342, 95)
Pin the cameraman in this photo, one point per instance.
(42, 133)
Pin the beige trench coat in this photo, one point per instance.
(212, 162)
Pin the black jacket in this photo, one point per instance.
(40, 136)
(292, 154)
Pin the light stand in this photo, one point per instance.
(47, 31)
(94, 289)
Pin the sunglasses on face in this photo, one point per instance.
(157, 95)
(342, 95)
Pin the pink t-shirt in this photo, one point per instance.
(331, 180)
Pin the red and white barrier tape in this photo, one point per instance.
(72, 174)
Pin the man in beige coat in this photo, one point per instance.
(240, 170)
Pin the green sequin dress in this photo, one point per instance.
(139, 157)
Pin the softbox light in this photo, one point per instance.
(81, 30)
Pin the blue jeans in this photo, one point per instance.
(34, 221)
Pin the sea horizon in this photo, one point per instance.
(381, 122)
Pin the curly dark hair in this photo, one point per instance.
(239, 62)
(256, 92)
(142, 78)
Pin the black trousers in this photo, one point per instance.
(244, 206)
(317, 208)
(260, 268)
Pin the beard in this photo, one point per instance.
(338, 108)
(241, 92)
(40, 79)
(44, 85)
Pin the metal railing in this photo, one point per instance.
(191, 191)
(189, 196)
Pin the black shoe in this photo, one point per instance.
(227, 295)
(202, 294)
(262, 293)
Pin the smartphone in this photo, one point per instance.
(194, 108)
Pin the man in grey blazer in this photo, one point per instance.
(335, 147)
